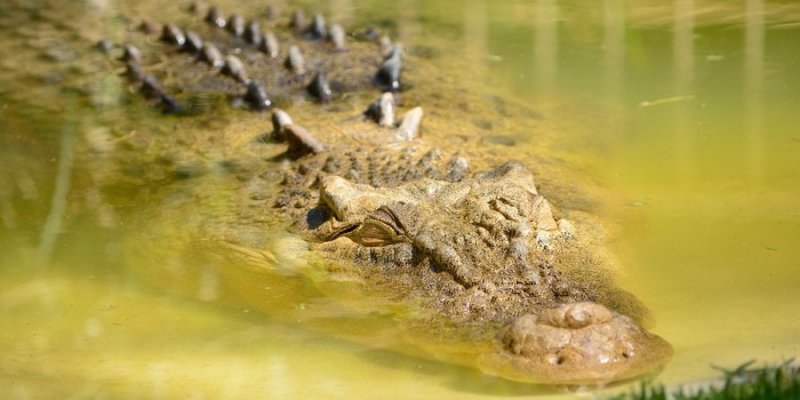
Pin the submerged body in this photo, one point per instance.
(465, 236)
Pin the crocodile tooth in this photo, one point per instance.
(382, 110)
(257, 97)
(215, 17)
(295, 61)
(235, 69)
(320, 88)
(317, 28)
(280, 119)
(298, 20)
(131, 54)
(236, 25)
(193, 42)
(410, 125)
(211, 55)
(301, 141)
(252, 33)
(338, 37)
(388, 75)
(173, 34)
(269, 45)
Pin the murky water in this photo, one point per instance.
(683, 114)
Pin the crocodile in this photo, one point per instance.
(465, 236)
(482, 249)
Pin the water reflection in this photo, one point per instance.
(683, 53)
(408, 20)
(58, 204)
(546, 46)
(754, 89)
(614, 48)
(476, 37)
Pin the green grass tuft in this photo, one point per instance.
(774, 382)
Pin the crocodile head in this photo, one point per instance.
(472, 230)
(491, 236)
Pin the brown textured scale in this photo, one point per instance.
(381, 168)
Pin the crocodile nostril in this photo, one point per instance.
(555, 359)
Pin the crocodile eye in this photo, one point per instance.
(379, 229)
(373, 232)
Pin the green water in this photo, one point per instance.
(683, 113)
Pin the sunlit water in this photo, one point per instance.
(688, 110)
